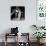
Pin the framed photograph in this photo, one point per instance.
(17, 12)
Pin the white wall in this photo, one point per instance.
(30, 15)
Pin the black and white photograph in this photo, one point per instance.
(17, 12)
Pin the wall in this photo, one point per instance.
(24, 26)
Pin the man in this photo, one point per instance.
(16, 14)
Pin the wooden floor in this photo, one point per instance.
(13, 44)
